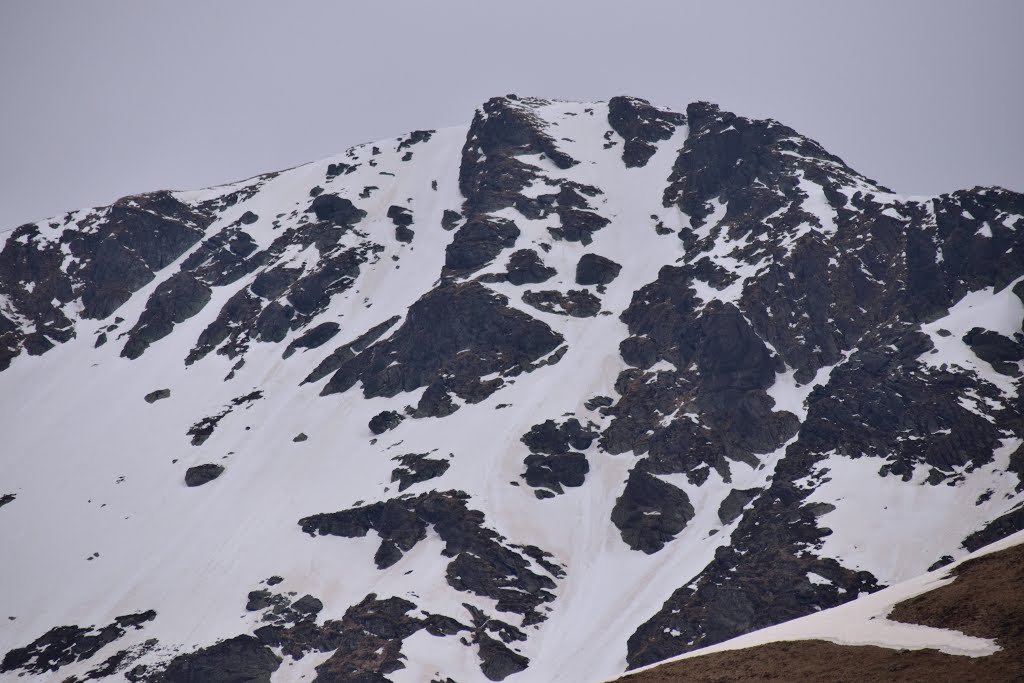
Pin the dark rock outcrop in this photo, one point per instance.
(65, 645)
(158, 395)
(641, 126)
(202, 474)
(650, 512)
(457, 334)
(417, 467)
(385, 421)
(593, 269)
(483, 561)
(242, 659)
(175, 300)
(552, 472)
(336, 210)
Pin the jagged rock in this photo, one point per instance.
(552, 438)
(497, 661)
(596, 270)
(345, 353)
(262, 599)
(242, 659)
(641, 125)
(308, 605)
(384, 421)
(7, 498)
(335, 209)
(334, 170)
(578, 225)
(312, 292)
(449, 219)
(273, 282)
(202, 474)
(300, 437)
(248, 218)
(732, 505)
(400, 215)
(1001, 352)
(154, 396)
(415, 137)
(65, 645)
(416, 468)
(464, 320)
(175, 300)
(313, 338)
(482, 561)
(274, 322)
(579, 303)
(404, 234)
(650, 512)
(478, 242)
(598, 402)
(554, 471)
(436, 401)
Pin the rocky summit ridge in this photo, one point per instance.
(572, 389)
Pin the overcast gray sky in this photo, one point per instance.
(112, 97)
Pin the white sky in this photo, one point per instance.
(112, 97)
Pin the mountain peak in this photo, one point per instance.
(574, 388)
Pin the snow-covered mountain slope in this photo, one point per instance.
(912, 631)
(574, 389)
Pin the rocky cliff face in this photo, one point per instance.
(575, 389)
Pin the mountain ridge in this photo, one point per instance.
(717, 313)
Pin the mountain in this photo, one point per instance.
(574, 389)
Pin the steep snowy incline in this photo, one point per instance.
(576, 388)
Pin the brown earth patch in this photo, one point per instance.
(986, 600)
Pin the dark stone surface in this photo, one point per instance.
(313, 338)
(417, 467)
(593, 269)
(497, 660)
(335, 209)
(458, 332)
(555, 471)
(1001, 352)
(174, 301)
(347, 352)
(524, 267)
(641, 125)
(202, 474)
(478, 242)
(449, 219)
(482, 560)
(650, 512)
(65, 645)
(159, 394)
(732, 506)
(385, 421)
(415, 137)
(307, 604)
(242, 659)
(552, 438)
